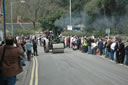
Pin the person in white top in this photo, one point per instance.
(71, 41)
(46, 44)
(112, 50)
(94, 47)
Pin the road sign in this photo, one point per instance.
(69, 27)
(107, 31)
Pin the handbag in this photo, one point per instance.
(2, 57)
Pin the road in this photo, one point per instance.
(76, 68)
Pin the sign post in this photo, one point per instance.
(108, 32)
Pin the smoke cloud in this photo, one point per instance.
(77, 18)
(101, 21)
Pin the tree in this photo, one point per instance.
(33, 10)
(105, 13)
(47, 23)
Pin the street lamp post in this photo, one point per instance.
(11, 3)
(70, 11)
(108, 32)
(4, 19)
(11, 18)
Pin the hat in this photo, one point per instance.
(9, 37)
(9, 40)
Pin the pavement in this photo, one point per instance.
(22, 77)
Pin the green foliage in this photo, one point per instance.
(47, 23)
(26, 19)
(110, 13)
(69, 33)
(24, 32)
(91, 7)
(96, 33)
(78, 5)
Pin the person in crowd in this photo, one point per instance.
(85, 46)
(105, 49)
(126, 52)
(74, 43)
(11, 65)
(69, 41)
(122, 52)
(100, 46)
(78, 43)
(89, 46)
(109, 48)
(23, 44)
(45, 44)
(94, 48)
(62, 40)
(28, 47)
(112, 50)
(63, 37)
(82, 40)
(23, 58)
(117, 46)
(47, 33)
(40, 40)
(35, 42)
(104, 41)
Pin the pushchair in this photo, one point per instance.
(74, 46)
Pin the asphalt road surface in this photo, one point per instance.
(76, 68)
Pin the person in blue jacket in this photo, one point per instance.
(28, 48)
(126, 52)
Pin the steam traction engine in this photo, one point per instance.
(53, 43)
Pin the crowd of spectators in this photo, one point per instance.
(113, 48)
(22, 48)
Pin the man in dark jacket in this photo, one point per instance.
(78, 43)
(122, 52)
(11, 65)
(35, 52)
(89, 46)
(100, 46)
(117, 47)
